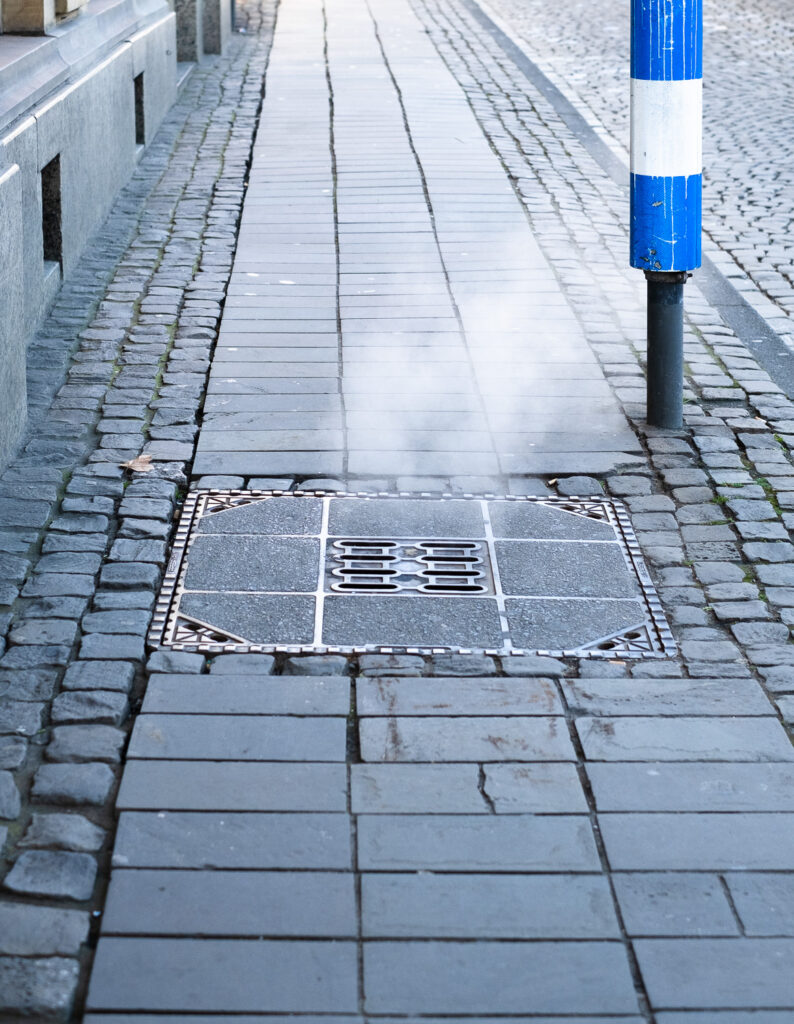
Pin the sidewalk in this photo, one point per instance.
(428, 294)
(394, 216)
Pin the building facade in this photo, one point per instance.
(84, 87)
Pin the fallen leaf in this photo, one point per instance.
(140, 464)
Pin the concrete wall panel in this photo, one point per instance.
(159, 75)
(13, 394)
(90, 125)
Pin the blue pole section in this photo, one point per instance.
(666, 181)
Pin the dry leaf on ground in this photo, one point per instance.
(140, 464)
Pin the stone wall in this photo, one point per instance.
(68, 143)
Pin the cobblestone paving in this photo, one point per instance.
(81, 543)
(617, 837)
(748, 182)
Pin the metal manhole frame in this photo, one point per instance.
(659, 635)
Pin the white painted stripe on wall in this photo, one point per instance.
(666, 127)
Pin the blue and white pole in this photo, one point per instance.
(666, 181)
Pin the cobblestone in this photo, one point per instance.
(58, 873)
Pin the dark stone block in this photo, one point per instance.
(232, 903)
(79, 743)
(523, 520)
(122, 621)
(255, 664)
(458, 978)
(284, 516)
(559, 569)
(34, 656)
(28, 930)
(73, 784)
(225, 975)
(58, 873)
(175, 661)
(110, 646)
(40, 989)
(130, 575)
(412, 621)
(33, 684)
(405, 518)
(255, 618)
(566, 625)
(238, 738)
(63, 832)
(253, 564)
(224, 840)
(483, 906)
(99, 675)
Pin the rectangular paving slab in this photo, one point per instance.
(504, 977)
(224, 975)
(238, 738)
(233, 903)
(461, 843)
(230, 839)
(487, 906)
(465, 739)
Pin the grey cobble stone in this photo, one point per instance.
(259, 664)
(63, 832)
(12, 751)
(316, 665)
(9, 796)
(41, 988)
(137, 551)
(42, 631)
(35, 656)
(771, 551)
(530, 665)
(104, 646)
(79, 743)
(20, 718)
(130, 575)
(582, 486)
(73, 784)
(90, 706)
(59, 873)
(28, 930)
(99, 675)
(391, 665)
(121, 621)
(460, 665)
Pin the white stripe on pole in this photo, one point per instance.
(666, 127)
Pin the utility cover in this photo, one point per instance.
(268, 571)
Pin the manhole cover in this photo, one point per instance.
(307, 571)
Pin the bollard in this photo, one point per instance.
(666, 182)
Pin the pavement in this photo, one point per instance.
(334, 284)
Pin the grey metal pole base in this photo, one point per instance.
(665, 394)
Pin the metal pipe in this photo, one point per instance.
(666, 182)
(665, 384)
